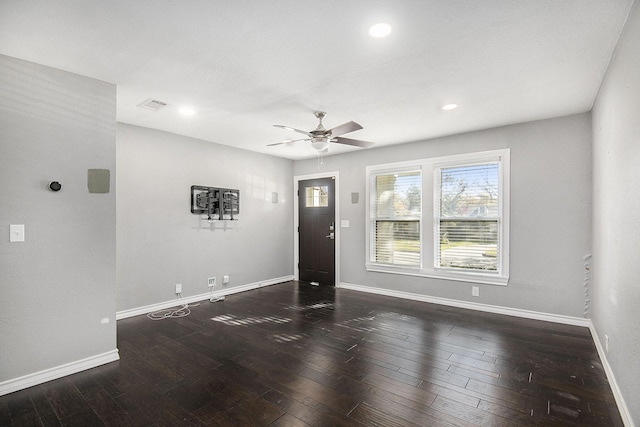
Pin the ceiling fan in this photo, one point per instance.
(321, 137)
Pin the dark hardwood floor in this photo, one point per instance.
(298, 355)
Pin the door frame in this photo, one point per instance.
(296, 221)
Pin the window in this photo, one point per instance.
(467, 217)
(396, 210)
(317, 197)
(444, 217)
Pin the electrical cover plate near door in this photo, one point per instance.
(316, 205)
(16, 233)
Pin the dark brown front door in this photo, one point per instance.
(316, 201)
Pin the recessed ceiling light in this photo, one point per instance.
(448, 107)
(380, 30)
(187, 111)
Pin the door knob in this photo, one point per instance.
(330, 236)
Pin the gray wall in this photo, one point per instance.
(550, 213)
(161, 243)
(59, 284)
(616, 213)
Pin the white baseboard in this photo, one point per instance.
(617, 394)
(56, 372)
(528, 314)
(200, 297)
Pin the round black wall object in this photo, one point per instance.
(55, 186)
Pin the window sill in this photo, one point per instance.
(486, 279)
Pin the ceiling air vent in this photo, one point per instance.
(152, 104)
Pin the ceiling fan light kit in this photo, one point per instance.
(321, 137)
(319, 143)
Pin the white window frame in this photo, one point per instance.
(429, 169)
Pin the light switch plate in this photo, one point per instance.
(16, 233)
(344, 223)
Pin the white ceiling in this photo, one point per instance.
(245, 65)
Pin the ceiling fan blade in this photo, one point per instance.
(345, 128)
(354, 142)
(287, 142)
(293, 129)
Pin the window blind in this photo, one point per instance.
(396, 212)
(468, 217)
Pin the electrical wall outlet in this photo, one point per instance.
(475, 291)
(178, 288)
(212, 282)
(225, 279)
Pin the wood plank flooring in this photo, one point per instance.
(298, 355)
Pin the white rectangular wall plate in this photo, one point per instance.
(16, 233)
